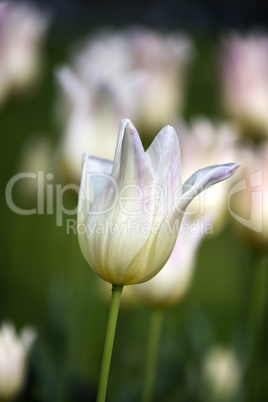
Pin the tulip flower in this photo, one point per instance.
(173, 281)
(130, 209)
(208, 142)
(110, 60)
(164, 61)
(22, 32)
(245, 81)
(248, 199)
(168, 287)
(13, 359)
(95, 88)
(222, 373)
(91, 123)
(129, 213)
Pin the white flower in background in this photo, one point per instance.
(137, 73)
(164, 61)
(206, 142)
(249, 198)
(154, 63)
(91, 124)
(222, 372)
(13, 359)
(22, 29)
(244, 66)
(173, 281)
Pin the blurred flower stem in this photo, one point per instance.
(152, 348)
(109, 341)
(256, 381)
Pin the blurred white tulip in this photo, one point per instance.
(173, 281)
(13, 359)
(244, 66)
(206, 142)
(249, 198)
(144, 70)
(91, 124)
(222, 373)
(164, 61)
(22, 31)
(137, 73)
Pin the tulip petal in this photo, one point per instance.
(94, 179)
(117, 155)
(145, 170)
(203, 179)
(163, 247)
(165, 152)
(198, 182)
(97, 173)
(164, 155)
(72, 85)
(135, 168)
(121, 205)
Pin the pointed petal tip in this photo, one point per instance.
(169, 127)
(170, 130)
(125, 122)
(224, 171)
(130, 129)
(232, 167)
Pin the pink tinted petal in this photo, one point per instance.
(135, 168)
(95, 177)
(97, 172)
(117, 155)
(203, 179)
(164, 156)
(72, 86)
(121, 204)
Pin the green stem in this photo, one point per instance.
(151, 358)
(109, 341)
(257, 329)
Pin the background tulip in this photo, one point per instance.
(245, 82)
(206, 142)
(90, 123)
(222, 373)
(95, 90)
(13, 359)
(173, 281)
(249, 198)
(23, 29)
